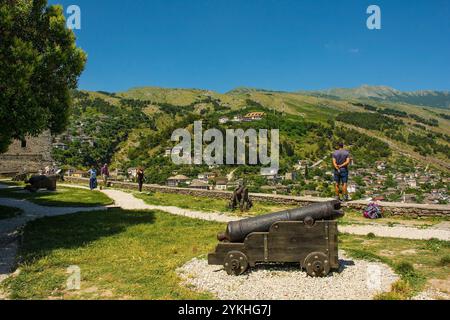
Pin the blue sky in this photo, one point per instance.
(273, 44)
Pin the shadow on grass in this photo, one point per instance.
(77, 231)
(123, 254)
(63, 197)
(9, 212)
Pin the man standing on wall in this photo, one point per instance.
(341, 161)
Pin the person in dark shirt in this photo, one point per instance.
(140, 178)
(105, 174)
(341, 161)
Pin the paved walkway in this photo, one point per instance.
(128, 202)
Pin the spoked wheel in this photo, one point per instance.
(317, 264)
(236, 263)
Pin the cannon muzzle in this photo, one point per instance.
(237, 231)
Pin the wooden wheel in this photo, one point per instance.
(317, 264)
(236, 263)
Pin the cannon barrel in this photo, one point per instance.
(237, 231)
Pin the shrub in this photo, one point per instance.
(410, 275)
(445, 261)
(435, 244)
(400, 290)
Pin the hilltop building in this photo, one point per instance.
(238, 118)
(221, 184)
(207, 176)
(60, 145)
(270, 174)
(169, 151)
(224, 120)
(177, 180)
(254, 116)
(291, 176)
(199, 184)
(132, 172)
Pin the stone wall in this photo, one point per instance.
(404, 209)
(35, 156)
(407, 209)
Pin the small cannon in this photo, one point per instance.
(41, 182)
(303, 235)
(241, 198)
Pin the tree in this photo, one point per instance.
(39, 66)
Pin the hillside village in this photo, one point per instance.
(382, 180)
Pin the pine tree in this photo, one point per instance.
(39, 66)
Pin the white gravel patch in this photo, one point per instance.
(432, 294)
(356, 280)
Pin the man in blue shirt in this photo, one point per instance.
(341, 161)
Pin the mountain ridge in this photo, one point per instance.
(429, 98)
(379, 93)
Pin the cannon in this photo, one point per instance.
(307, 236)
(241, 198)
(41, 182)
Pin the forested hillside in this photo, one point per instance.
(133, 128)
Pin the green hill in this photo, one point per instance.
(133, 128)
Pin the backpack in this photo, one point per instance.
(373, 211)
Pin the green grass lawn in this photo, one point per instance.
(416, 261)
(63, 197)
(9, 212)
(206, 204)
(135, 254)
(122, 255)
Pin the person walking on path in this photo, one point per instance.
(93, 178)
(341, 161)
(105, 175)
(140, 178)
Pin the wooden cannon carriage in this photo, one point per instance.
(307, 236)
